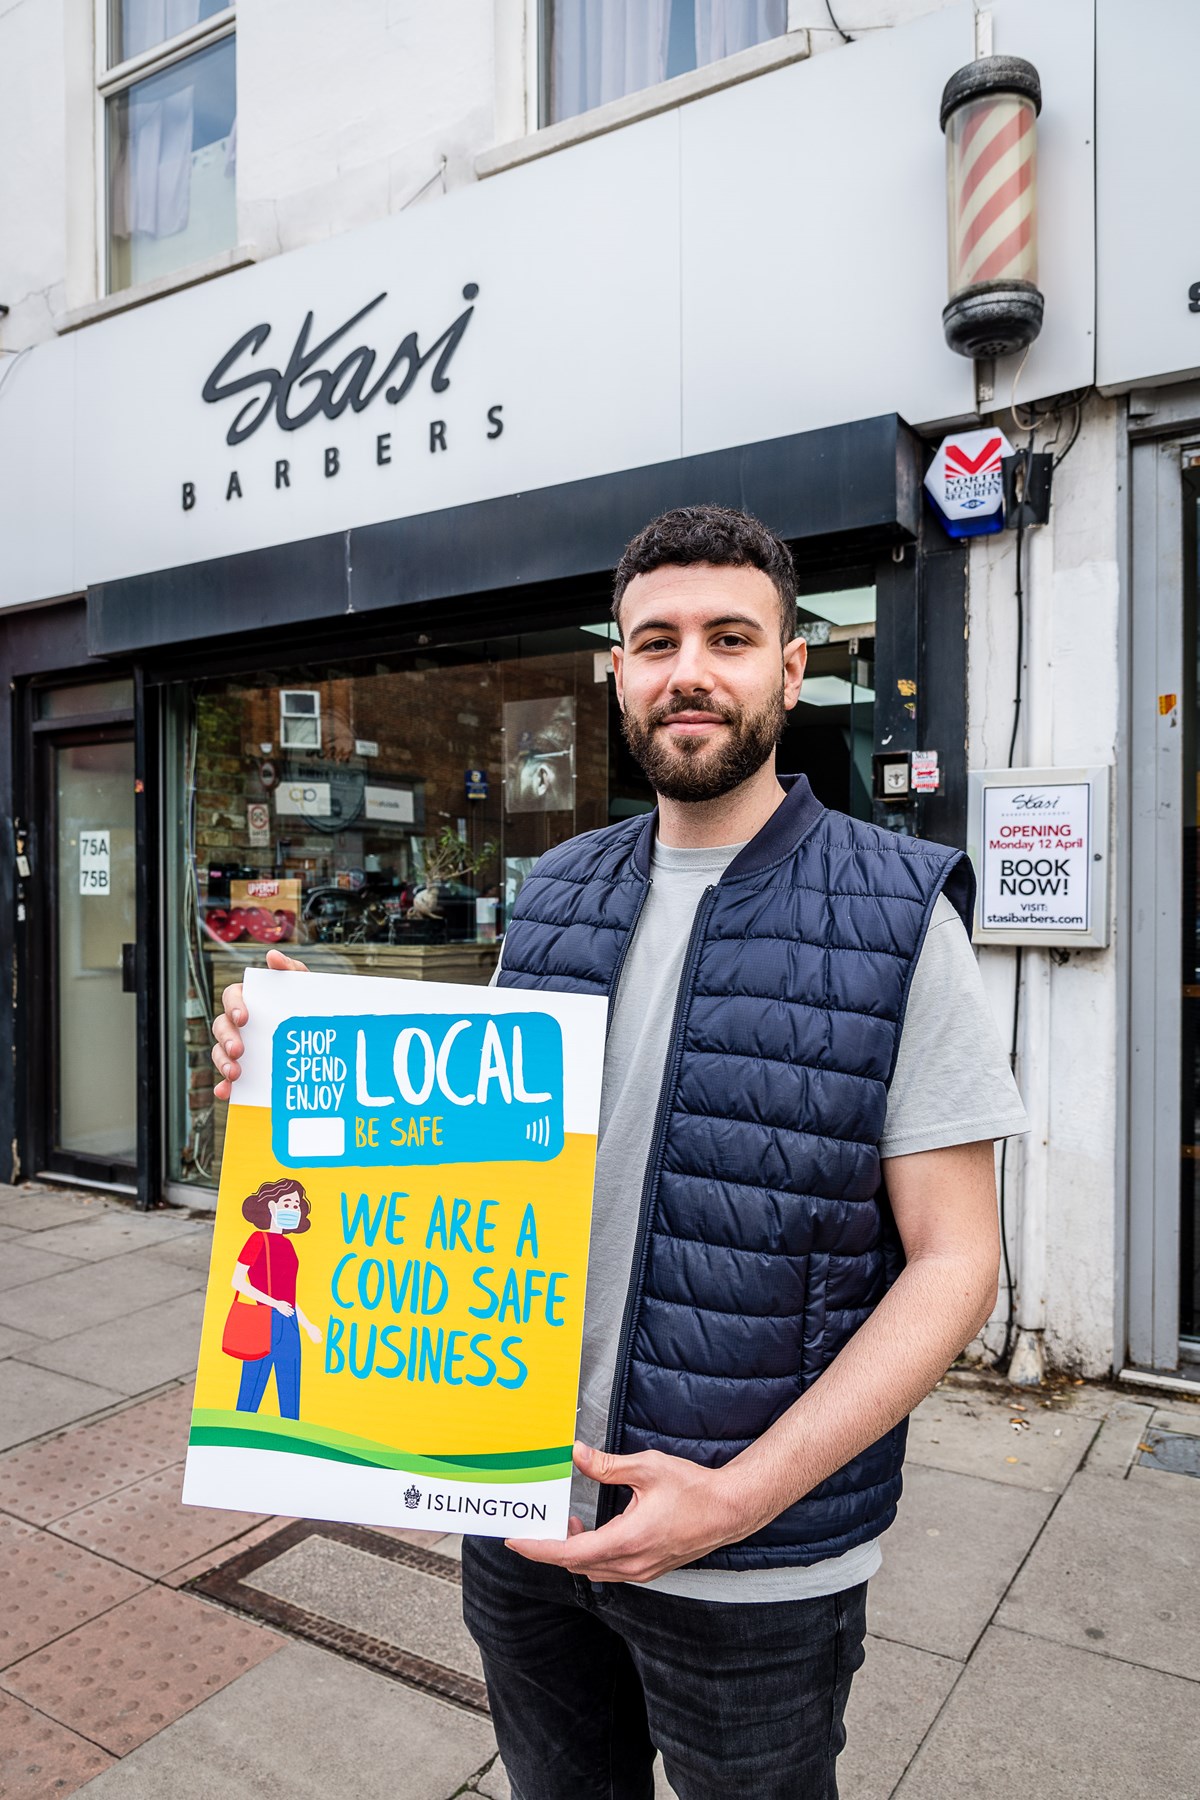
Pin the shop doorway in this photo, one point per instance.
(85, 980)
(1159, 825)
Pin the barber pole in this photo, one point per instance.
(989, 115)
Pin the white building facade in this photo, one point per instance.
(345, 346)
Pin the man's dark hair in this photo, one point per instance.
(718, 535)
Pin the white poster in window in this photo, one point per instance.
(95, 863)
(1036, 857)
(388, 805)
(303, 799)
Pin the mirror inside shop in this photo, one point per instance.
(379, 817)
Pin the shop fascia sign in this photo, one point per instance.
(325, 379)
(1039, 842)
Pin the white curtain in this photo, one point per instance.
(148, 23)
(152, 175)
(726, 26)
(604, 49)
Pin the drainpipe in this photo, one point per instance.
(1028, 1362)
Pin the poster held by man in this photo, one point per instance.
(395, 1301)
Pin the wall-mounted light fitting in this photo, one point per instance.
(989, 116)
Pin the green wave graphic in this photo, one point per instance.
(253, 1431)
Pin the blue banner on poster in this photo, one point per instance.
(417, 1088)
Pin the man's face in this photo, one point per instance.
(703, 681)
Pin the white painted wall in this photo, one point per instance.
(33, 251)
(346, 113)
(1062, 1179)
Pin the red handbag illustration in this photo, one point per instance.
(247, 1334)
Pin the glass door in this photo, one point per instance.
(91, 1094)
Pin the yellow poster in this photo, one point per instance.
(394, 1312)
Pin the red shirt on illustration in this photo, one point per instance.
(284, 1262)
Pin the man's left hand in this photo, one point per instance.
(679, 1512)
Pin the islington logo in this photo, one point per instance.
(328, 376)
(966, 481)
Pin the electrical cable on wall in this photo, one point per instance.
(1027, 418)
(844, 35)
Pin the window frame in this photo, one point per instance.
(286, 713)
(114, 80)
(537, 64)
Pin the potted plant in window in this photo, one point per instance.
(445, 858)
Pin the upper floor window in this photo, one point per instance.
(598, 50)
(167, 88)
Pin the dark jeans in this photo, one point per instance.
(585, 1682)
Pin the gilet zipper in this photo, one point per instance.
(616, 1412)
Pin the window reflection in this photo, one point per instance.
(375, 820)
(172, 158)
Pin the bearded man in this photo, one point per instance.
(794, 1224)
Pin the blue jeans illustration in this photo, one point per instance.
(284, 1358)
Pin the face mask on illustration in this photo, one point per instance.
(287, 1217)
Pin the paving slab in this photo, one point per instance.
(123, 1677)
(146, 1527)
(13, 1342)
(1118, 1570)
(37, 1209)
(1178, 1418)
(46, 1481)
(386, 1600)
(58, 1305)
(222, 1553)
(191, 1250)
(1116, 1444)
(34, 1401)
(51, 1588)
(947, 1561)
(1035, 1718)
(158, 1344)
(285, 1729)
(24, 1259)
(39, 1758)
(894, 1700)
(972, 1433)
(114, 1232)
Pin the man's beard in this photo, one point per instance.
(693, 769)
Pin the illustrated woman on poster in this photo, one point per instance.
(266, 1273)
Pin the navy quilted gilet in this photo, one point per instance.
(765, 1236)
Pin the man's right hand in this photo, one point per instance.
(226, 1027)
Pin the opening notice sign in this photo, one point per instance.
(1038, 838)
(394, 1312)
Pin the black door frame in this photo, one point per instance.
(41, 1009)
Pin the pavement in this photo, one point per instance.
(1035, 1626)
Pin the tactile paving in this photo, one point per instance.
(48, 1480)
(146, 1527)
(131, 1673)
(39, 1758)
(51, 1588)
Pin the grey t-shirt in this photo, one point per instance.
(951, 1085)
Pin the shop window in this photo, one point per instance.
(300, 719)
(85, 697)
(372, 819)
(598, 50)
(167, 87)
